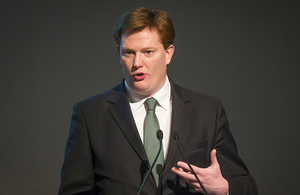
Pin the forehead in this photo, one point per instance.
(147, 37)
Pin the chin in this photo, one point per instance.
(142, 91)
(139, 87)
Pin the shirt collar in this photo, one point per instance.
(163, 96)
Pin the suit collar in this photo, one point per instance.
(180, 116)
(122, 114)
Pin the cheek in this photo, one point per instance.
(125, 63)
(125, 69)
(161, 65)
(158, 62)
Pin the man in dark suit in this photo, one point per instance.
(107, 151)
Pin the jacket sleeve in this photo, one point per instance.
(77, 175)
(232, 167)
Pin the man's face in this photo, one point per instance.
(144, 61)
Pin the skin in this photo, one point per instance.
(210, 177)
(144, 61)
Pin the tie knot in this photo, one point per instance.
(151, 103)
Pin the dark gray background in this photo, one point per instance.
(56, 53)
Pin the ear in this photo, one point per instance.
(169, 54)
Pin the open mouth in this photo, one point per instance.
(139, 76)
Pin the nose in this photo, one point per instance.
(137, 61)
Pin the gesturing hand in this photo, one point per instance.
(211, 177)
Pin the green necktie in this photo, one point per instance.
(151, 126)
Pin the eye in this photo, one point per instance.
(127, 53)
(148, 52)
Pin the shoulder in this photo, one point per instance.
(193, 97)
(102, 99)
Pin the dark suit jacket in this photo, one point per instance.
(105, 155)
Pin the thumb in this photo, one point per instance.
(213, 157)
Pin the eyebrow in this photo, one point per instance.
(127, 50)
(146, 48)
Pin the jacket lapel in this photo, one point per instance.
(122, 114)
(180, 117)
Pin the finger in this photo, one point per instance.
(186, 166)
(183, 174)
(197, 187)
(213, 157)
(177, 169)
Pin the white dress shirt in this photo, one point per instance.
(163, 111)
